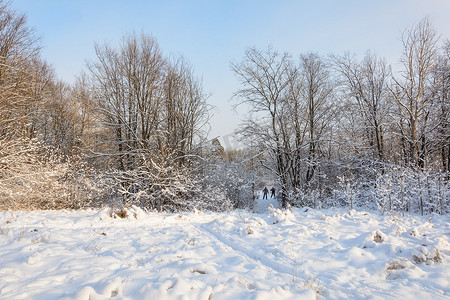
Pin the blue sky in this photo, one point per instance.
(211, 34)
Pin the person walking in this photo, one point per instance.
(272, 192)
(265, 192)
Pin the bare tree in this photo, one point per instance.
(185, 112)
(365, 83)
(18, 46)
(87, 125)
(33, 174)
(440, 110)
(154, 110)
(128, 87)
(266, 77)
(412, 92)
(293, 103)
(317, 94)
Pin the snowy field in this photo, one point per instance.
(274, 254)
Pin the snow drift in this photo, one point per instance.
(277, 254)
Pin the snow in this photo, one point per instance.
(271, 254)
(261, 205)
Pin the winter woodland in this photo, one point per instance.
(327, 131)
(115, 175)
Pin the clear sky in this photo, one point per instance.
(211, 33)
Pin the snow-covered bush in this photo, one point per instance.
(231, 182)
(205, 185)
(152, 190)
(311, 198)
(405, 190)
(35, 176)
(391, 188)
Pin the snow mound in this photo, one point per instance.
(276, 215)
(426, 254)
(112, 290)
(374, 238)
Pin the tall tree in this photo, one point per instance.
(18, 47)
(185, 110)
(440, 110)
(365, 83)
(265, 77)
(412, 91)
(317, 93)
(128, 86)
(155, 110)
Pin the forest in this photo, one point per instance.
(336, 130)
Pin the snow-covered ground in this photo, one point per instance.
(298, 254)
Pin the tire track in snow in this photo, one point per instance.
(277, 267)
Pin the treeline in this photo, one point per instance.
(132, 129)
(346, 130)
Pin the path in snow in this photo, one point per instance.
(261, 204)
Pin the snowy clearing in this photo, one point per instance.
(332, 254)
